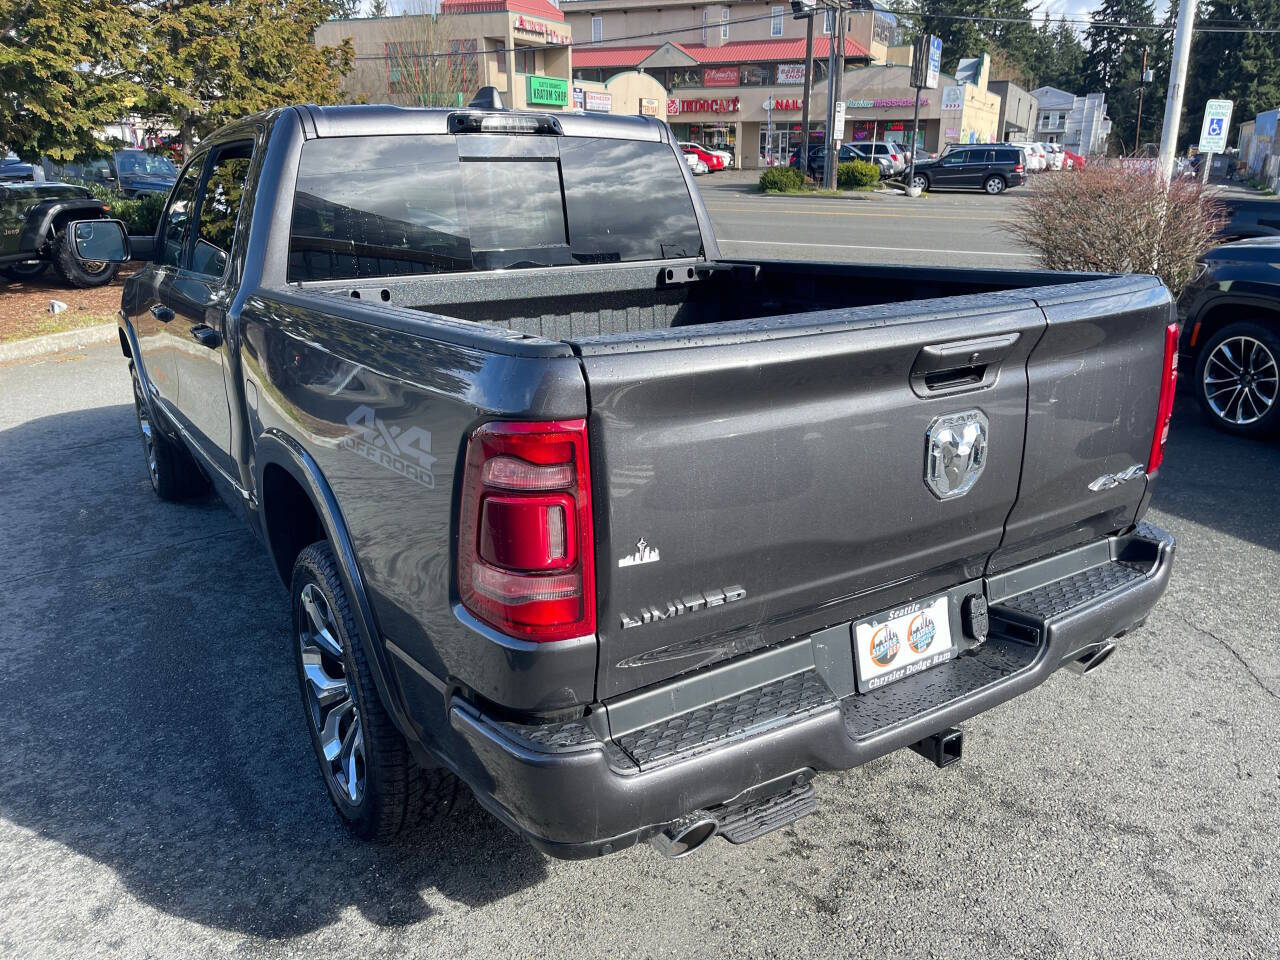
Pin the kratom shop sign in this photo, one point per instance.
(549, 91)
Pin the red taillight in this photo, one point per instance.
(1018, 168)
(1164, 412)
(525, 559)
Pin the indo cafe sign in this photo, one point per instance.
(676, 106)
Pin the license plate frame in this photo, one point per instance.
(900, 642)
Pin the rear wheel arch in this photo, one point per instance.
(290, 520)
(1224, 312)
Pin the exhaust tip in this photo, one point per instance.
(686, 836)
(1094, 658)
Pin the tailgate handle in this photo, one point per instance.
(960, 365)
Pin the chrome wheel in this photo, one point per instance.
(1240, 380)
(331, 700)
(995, 185)
(920, 183)
(146, 429)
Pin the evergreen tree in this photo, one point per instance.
(378, 9)
(1241, 67)
(64, 73)
(1006, 38)
(1113, 62)
(1059, 60)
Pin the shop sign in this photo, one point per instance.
(577, 98)
(673, 108)
(538, 28)
(720, 76)
(551, 91)
(953, 98)
(887, 103)
(598, 102)
(784, 103)
(704, 105)
(791, 73)
(648, 107)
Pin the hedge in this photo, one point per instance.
(859, 173)
(782, 179)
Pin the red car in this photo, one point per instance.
(714, 161)
(1072, 161)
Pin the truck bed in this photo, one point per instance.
(612, 301)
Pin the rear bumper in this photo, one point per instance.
(762, 724)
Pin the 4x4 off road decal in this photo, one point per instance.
(406, 452)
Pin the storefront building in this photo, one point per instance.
(520, 47)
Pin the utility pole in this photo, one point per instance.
(827, 167)
(834, 77)
(805, 9)
(1142, 85)
(1177, 86)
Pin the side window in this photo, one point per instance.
(984, 156)
(955, 158)
(176, 222)
(219, 208)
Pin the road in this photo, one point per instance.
(159, 797)
(958, 229)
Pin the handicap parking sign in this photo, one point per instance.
(1217, 118)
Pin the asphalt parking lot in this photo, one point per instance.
(159, 798)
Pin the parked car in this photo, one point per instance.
(560, 523)
(725, 151)
(895, 156)
(860, 151)
(13, 169)
(713, 160)
(1072, 161)
(34, 219)
(1035, 154)
(696, 165)
(1055, 155)
(993, 167)
(818, 158)
(1231, 335)
(1248, 217)
(131, 171)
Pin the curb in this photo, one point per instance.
(55, 342)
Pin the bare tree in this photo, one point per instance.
(1115, 219)
(429, 62)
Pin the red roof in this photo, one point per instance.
(740, 51)
(535, 8)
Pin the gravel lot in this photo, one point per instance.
(159, 797)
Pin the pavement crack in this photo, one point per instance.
(1253, 674)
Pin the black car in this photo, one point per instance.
(818, 159)
(133, 172)
(1230, 341)
(34, 234)
(992, 167)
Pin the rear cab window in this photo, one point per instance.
(397, 205)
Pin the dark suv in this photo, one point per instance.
(992, 167)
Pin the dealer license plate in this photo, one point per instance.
(900, 642)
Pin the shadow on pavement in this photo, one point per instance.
(151, 712)
(1218, 480)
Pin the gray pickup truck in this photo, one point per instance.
(633, 538)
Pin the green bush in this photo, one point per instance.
(141, 215)
(859, 173)
(781, 179)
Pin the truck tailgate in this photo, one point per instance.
(781, 468)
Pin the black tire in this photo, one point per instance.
(395, 793)
(173, 471)
(78, 273)
(994, 185)
(921, 181)
(24, 272)
(1246, 401)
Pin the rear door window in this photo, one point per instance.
(1006, 156)
(388, 205)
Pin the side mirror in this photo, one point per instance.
(100, 241)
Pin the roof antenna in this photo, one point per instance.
(487, 98)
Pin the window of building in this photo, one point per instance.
(597, 29)
(775, 21)
(724, 24)
(755, 75)
(704, 26)
(526, 60)
(827, 23)
(501, 55)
